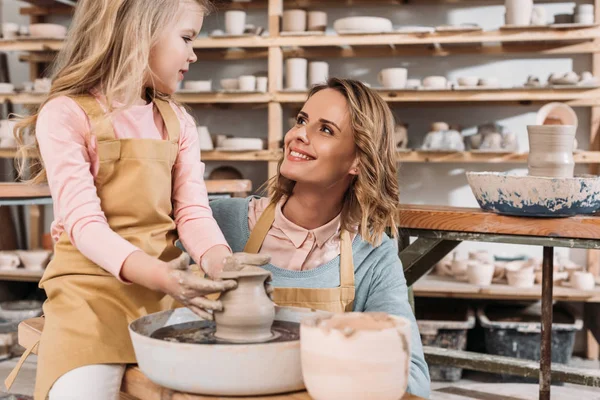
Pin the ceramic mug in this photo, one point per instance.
(9, 261)
(262, 84)
(235, 22)
(247, 83)
(296, 73)
(520, 274)
(435, 82)
(318, 72)
(583, 280)
(587, 19)
(317, 21)
(480, 274)
(10, 30)
(294, 21)
(518, 12)
(393, 78)
(413, 83)
(551, 150)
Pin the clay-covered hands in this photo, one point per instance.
(239, 261)
(191, 289)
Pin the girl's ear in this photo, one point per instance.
(354, 167)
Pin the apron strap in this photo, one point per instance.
(13, 375)
(259, 233)
(101, 125)
(346, 260)
(169, 117)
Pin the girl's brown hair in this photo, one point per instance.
(372, 200)
(108, 47)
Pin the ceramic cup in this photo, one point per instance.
(198, 86)
(9, 261)
(539, 16)
(296, 73)
(480, 274)
(230, 84)
(294, 21)
(587, 19)
(204, 138)
(247, 83)
(35, 260)
(318, 72)
(317, 21)
(393, 78)
(583, 280)
(551, 150)
(468, 81)
(518, 12)
(458, 268)
(435, 82)
(520, 274)
(413, 83)
(235, 22)
(10, 30)
(262, 83)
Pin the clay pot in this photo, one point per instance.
(35, 260)
(482, 256)
(9, 261)
(518, 12)
(458, 269)
(480, 274)
(556, 114)
(551, 150)
(338, 351)
(583, 280)
(248, 312)
(520, 274)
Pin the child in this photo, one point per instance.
(123, 166)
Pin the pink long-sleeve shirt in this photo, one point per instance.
(71, 164)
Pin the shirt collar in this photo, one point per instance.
(298, 234)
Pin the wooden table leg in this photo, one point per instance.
(546, 342)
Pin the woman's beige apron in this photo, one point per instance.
(339, 299)
(88, 310)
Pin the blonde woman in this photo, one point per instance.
(324, 223)
(123, 166)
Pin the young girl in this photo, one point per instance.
(123, 165)
(335, 195)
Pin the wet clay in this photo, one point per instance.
(350, 323)
(248, 312)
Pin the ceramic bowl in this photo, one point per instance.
(17, 311)
(468, 81)
(7, 88)
(582, 280)
(435, 82)
(198, 86)
(534, 196)
(230, 84)
(34, 260)
(240, 144)
(363, 24)
(47, 30)
(490, 82)
(559, 112)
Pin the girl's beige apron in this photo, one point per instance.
(339, 299)
(88, 310)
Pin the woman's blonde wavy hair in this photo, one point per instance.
(372, 200)
(108, 47)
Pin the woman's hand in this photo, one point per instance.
(239, 261)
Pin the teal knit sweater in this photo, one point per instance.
(378, 275)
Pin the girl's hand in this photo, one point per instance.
(239, 261)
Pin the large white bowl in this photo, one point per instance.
(535, 196)
(363, 24)
(47, 30)
(218, 369)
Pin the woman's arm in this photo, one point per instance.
(388, 293)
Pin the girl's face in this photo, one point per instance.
(171, 57)
(320, 148)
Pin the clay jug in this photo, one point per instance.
(551, 150)
(248, 312)
(354, 356)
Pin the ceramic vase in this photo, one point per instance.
(551, 150)
(518, 12)
(318, 72)
(354, 356)
(296, 73)
(248, 312)
(235, 22)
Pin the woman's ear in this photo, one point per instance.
(354, 167)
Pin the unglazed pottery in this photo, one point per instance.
(582, 280)
(556, 114)
(248, 312)
(363, 25)
(401, 136)
(230, 84)
(235, 22)
(584, 19)
(551, 150)
(435, 82)
(204, 138)
(393, 78)
(296, 73)
(355, 356)
(317, 21)
(449, 140)
(489, 82)
(47, 31)
(10, 30)
(522, 195)
(7, 87)
(9, 261)
(539, 16)
(482, 256)
(318, 72)
(413, 83)
(198, 86)
(262, 84)
(518, 12)
(240, 144)
(439, 126)
(247, 83)
(35, 260)
(480, 274)
(520, 274)
(468, 81)
(294, 21)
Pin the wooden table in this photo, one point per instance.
(137, 386)
(440, 229)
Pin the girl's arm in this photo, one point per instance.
(198, 230)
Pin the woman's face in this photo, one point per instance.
(320, 148)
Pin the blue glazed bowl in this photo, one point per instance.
(534, 196)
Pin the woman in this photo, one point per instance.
(324, 223)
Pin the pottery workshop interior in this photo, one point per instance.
(299, 199)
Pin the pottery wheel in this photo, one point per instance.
(203, 332)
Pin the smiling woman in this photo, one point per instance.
(324, 223)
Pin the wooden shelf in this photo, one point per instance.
(224, 98)
(21, 275)
(575, 97)
(31, 45)
(261, 155)
(13, 190)
(446, 287)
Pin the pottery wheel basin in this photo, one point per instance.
(200, 364)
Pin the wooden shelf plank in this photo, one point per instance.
(459, 219)
(260, 155)
(440, 286)
(208, 98)
(21, 275)
(10, 190)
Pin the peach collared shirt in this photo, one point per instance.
(293, 247)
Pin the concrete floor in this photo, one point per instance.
(474, 385)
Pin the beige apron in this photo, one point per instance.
(88, 310)
(339, 299)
